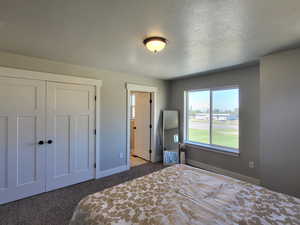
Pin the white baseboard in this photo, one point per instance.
(225, 172)
(112, 171)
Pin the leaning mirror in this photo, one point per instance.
(170, 137)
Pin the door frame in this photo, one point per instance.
(154, 92)
(43, 76)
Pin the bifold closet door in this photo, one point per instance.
(70, 133)
(22, 127)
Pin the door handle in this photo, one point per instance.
(41, 142)
(134, 128)
(49, 142)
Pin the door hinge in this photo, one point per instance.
(95, 98)
(95, 165)
(150, 126)
(95, 131)
(150, 101)
(150, 151)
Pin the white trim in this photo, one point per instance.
(212, 148)
(20, 73)
(225, 172)
(142, 88)
(154, 91)
(185, 116)
(209, 146)
(34, 75)
(214, 88)
(106, 173)
(98, 129)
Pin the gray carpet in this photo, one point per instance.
(56, 207)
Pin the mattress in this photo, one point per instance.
(181, 194)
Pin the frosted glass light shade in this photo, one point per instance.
(155, 44)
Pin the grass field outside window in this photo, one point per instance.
(220, 136)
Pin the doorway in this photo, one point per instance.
(141, 128)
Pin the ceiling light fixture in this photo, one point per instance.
(155, 44)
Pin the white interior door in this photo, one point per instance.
(142, 121)
(70, 127)
(22, 159)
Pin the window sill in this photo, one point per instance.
(216, 149)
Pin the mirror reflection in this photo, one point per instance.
(171, 136)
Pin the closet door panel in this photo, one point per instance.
(82, 143)
(26, 150)
(3, 151)
(22, 126)
(70, 125)
(62, 146)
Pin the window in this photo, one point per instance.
(132, 106)
(212, 118)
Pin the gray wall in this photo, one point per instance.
(113, 100)
(248, 80)
(276, 164)
(280, 121)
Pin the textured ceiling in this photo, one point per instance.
(203, 35)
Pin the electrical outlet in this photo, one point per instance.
(251, 164)
(121, 155)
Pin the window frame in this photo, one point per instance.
(210, 146)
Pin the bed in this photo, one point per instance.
(182, 194)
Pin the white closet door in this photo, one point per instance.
(70, 127)
(142, 122)
(22, 159)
